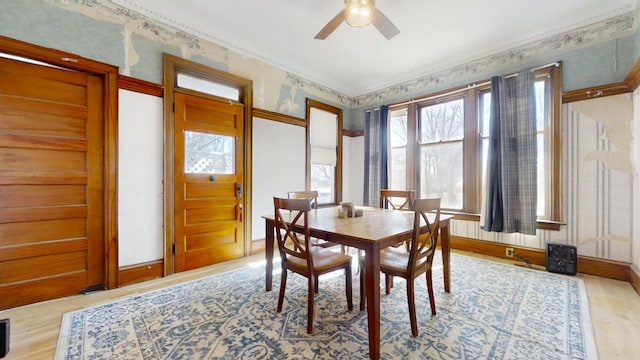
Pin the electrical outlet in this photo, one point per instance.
(509, 252)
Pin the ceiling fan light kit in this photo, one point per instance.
(358, 13)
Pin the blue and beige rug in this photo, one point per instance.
(494, 311)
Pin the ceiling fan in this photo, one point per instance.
(360, 13)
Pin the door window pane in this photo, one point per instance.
(441, 173)
(208, 153)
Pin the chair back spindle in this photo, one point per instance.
(390, 199)
(424, 239)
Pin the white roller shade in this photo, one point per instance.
(323, 128)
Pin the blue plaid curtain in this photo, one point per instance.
(511, 188)
(375, 154)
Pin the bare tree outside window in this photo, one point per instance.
(322, 179)
(441, 152)
(452, 141)
(398, 143)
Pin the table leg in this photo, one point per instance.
(372, 273)
(446, 251)
(268, 251)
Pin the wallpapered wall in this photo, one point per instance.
(597, 183)
(103, 31)
(596, 54)
(598, 186)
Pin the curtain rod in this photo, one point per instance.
(471, 86)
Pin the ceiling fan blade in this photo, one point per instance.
(384, 25)
(331, 26)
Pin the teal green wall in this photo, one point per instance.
(599, 64)
(36, 22)
(104, 32)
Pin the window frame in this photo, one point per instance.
(472, 143)
(464, 141)
(310, 103)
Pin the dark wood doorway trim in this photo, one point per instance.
(172, 66)
(109, 74)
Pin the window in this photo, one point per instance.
(451, 141)
(209, 153)
(398, 150)
(324, 151)
(441, 135)
(208, 87)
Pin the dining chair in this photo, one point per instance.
(297, 256)
(397, 200)
(312, 195)
(389, 199)
(413, 260)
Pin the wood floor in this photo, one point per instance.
(614, 305)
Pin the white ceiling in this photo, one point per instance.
(434, 34)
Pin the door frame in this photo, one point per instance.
(109, 75)
(172, 66)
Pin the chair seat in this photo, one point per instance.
(396, 260)
(324, 260)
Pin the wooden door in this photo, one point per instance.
(209, 158)
(51, 182)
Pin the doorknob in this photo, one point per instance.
(213, 178)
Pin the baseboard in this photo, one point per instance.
(586, 265)
(257, 246)
(137, 273)
(635, 279)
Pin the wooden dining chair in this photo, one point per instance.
(297, 256)
(415, 259)
(396, 199)
(312, 195)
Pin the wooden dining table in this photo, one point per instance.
(374, 230)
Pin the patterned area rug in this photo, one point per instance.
(493, 312)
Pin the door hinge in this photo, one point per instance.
(173, 248)
(173, 106)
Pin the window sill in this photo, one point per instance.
(541, 224)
